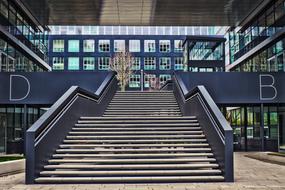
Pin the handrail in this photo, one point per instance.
(218, 131)
(58, 106)
(44, 136)
(165, 85)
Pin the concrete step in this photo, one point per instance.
(140, 150)
(142, 111)
(142, 108)
(164, 179)
(163, 121)
(130, 114)
(131, 166)
(131, 137)
(138, 141)
(144, 155)
(144, 118)
(137, 125)
(134, 173)
(133, 161)
(143, 103)
(186, 128)
(135, 132)
(132, 145)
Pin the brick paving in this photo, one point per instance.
(250, 174)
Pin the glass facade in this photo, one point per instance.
(252, 126)
(267, 24)
(119, 46)
(135, 81)
(165, 63)
(58, 46)
(58, 63)
(12, 60)
(20, 26)
(164, 46)
(12, 126)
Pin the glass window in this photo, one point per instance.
(104, 45)
(178, 63)
(149, 46)
(164, 46)
(164, 63)
(136, 64)
(103, 63)
(73, 63)
(134, 45)
(135, 81)
(149, 63)
(178, 46)
(119, 46)
(58, 63)
(88, 63)
(88, 45)
(149, 80)
(163, 79)
(58, 45)
(73, 45)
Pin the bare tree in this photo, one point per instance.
(122, 63)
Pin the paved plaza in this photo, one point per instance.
(249, 174)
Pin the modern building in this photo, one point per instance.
(64, 75)
(158, 51)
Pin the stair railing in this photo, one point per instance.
(48, 132)
(218, 132)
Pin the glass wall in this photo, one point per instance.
(13, 126)
(12, 60)
(271, 59)
(20, 26)
(252, 130)
(266, 24)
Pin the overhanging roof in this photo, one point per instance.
(142, 12)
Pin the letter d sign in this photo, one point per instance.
(266, 85)
(23, 92)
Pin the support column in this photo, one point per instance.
(262, 126)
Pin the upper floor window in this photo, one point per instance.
(149, 46)
(73, 63)
(163, 79)
(178, 46)
(134, 45)
(73, 45)
(164, 46)
(178, 63)
(134, 81)
(149, 63)
(136, 64)
(58, 63)
(104, 45)
(88, 45)
(164, 63)
(58, 45)
(88, 63)
(119, 46)
(103, 63)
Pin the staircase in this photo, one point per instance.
(141, 138)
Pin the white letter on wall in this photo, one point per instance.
(264, 86)
(11, 86)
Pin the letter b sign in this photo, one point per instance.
(266, 86)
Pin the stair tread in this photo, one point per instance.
(138, 124)
(134, 172)
(136, 150)
(134, 137)
(131, 166)
(135, 155)
(145, 117)
(130, 179)
(135, 145)
(136, 129)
